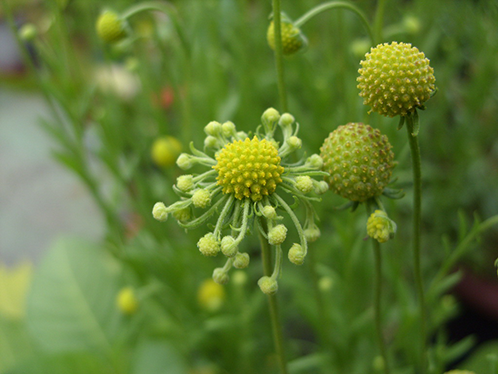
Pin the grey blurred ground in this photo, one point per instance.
(39, 199)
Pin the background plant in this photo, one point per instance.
(219, 67)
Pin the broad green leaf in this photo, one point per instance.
(71, 305)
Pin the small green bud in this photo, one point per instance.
(211, 142)
(294, 142)
(28, 32)
(269, 212)
(312, 234)
(304, 183)
(270, 116)
(182, 215)
(160, 212)
(277, 235)
(286, 119)
(296, 254)
(293, 40)
(268, 285)
(184, 161)
(185, 183)
(241, 260)
(213, 128)
(239, 278)
(380, 227)
(201, 198)
(208, 245)
(228, 247)
(228, 129)
(325, 284)
(220, 276)
(320, 187)
(110, 27)
(315, 162)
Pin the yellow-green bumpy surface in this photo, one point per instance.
(249, 168)
(292, 40)
(395, 79)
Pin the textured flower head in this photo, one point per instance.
(395, 79)
(380, 227)
(111, 28)
(243, 186)
(293, 40)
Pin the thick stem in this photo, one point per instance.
(337, 5)
(417, 209)
(379, 20)
(273, 305)
(279, 55)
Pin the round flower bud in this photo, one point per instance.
(239, 278)
(270, 115)
(182, 215)
(296, 254)
(304, 183)
(185, 183)
(160, 212)
(395, 79)
(249, 168)
(165, 150)
(110, 27)
(269, 212)
(213, 128)
(312, 234)
(220, 276)
(294, 142)
(208, 245)
(325, 284)
(127, 301)
(28, 32)
(201, 198)
(241, 260)
(277, 235)
(315, 162)
(293, 40)
(380, 227)
(210, 142)
(268, 285)
(184, 161)
(286, 119)
(228, 129)
(321, 187)
(359, 160)
(228, 246)
(211, 295)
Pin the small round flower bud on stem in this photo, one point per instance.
(185, 183)
(110, 27)
(320, 187)
(201, 198)
(304, 183)
(228, 246)
(269, 212)
(211, 142)
(220, 276)
(294, 142)
(127, 301)
(380, 227)
(208, 245)
(213, 128)
(315, 162)
(28, 32)
(160, 212)
(241, 261)
(286, 120)
(277, 235)
(312, 233)
(228, 129)
(184, 161)
(270, 116)
(296, 254)
(268, 285)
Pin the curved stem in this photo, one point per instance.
(273, 305)
(337, 5)
(379, 19)
(417, 210)
(279, 55)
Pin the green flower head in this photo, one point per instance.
(244, 185)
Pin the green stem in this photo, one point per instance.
(338, 5)
(273, 305)
(379, 20)
(279, 54)
(417, 209)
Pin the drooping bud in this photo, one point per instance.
(201, 198)
(241, 260)
(268, 285)
(296, 254)
(208, 245)
(277, 235)
(160, 212)
(228, 246)
(380, 227)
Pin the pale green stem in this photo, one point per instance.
(379, 20)
(337, 5)
(279, 54)
(417, 210)
(273, 305)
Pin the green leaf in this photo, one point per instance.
(71, 305)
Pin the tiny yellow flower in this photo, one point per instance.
(211, 295)
(165, 151)
(127, 301)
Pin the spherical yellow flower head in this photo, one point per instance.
(293, 39)
(359, 160)
(395, 79)
(127, 301)
(249, 168)
(165, 151)
(110, 27)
